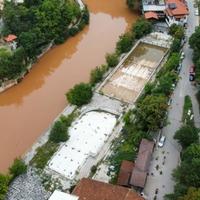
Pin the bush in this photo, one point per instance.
(112, 59)
(176, 45)
(131, 4)
(187, 135)
(96, 75)
(177, 31)
(59, 132)
(125, 43)
(141, 28)
(43, 155)
(79, 95)
(18, 168)
(4, 181)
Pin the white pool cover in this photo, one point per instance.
(87, 136)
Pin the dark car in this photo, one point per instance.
(191, 77)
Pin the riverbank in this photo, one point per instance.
(32, 105)
(75, 29)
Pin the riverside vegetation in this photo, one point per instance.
(37, 24)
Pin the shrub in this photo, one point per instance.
(141, 28)
(125, 43)
(18, 168)
(131, 4)
(96, 75)
(4, 181)
(43, 155)
(79, 95)
(176, 45)
(187, 135)
(112, 59)
(58, 132)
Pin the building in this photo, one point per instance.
(11, 41)
(89, 189)
(142, 163)
(173, 11)
(176, 12)
(58, 195)
(125, 173)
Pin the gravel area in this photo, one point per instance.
(27, 187)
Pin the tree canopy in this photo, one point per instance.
(141, 28)
(150, 111)
(187, 135)
(80, 94)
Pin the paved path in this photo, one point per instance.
(167, 158)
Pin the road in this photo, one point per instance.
(166, 159)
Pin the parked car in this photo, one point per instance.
(162, 141)
(179, 68)
(196, 12)
(191, 77)
(182, 55)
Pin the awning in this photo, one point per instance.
(150, 15)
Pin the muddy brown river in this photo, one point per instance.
(27, 110)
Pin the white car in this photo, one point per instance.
(182, 55)
(162, 141)
(196, 12)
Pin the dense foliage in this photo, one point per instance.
(186, 135)
(17, 168)
(80, 94)
(58, 133)
(131, 4)
(4, 181)
(141, 28)
(36, 24)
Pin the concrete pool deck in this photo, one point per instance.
(135, 70)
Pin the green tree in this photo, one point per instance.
(125, 43)
(177, 31)
(18, 168)
(191, 152)
(176, 45)
(96, 75)
(112, 59)
(80, 94)
(192, 194)
(141, 28)
(4, 181)
(131, 4)
(150, 112)
(187, 135)
(59, 132)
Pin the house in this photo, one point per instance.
(11, 41)
(140, 170)
(176, 12)
(88, 189)
(153, 9)
(125, 173)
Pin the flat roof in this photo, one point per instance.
(87, 136)
(58, 195)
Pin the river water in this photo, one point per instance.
(26, 110)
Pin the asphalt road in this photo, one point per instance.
(166, 159)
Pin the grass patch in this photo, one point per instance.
(188, 115)
(43, 155)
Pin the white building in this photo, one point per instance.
(57, 195)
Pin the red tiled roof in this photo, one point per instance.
(150, 15)
(181, 8)
(138, 178)
(88, 189)
(10, 38)
(142, 163)
(125, 173)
